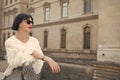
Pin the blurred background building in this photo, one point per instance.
(79, 32)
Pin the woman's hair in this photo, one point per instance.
(19, 18)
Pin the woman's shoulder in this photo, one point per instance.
(10, 41)
(33, 38)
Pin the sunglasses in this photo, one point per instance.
(29, 22)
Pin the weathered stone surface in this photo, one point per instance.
(68, 72)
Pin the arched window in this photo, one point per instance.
(87, 7)
(4, 36)
(45, 38)
(46, 11)
(10, 1)
(64, 8)
(6, 2)
(87, 37)
(8, 34)
(63, 38)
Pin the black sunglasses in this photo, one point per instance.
(29, 22)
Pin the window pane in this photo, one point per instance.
(87, 38)
(45, 39)
(65, 9)
(87, 6)
(10, 1)
(4, 35)
(47, 13)
(8, 34)
(63, 38)
(6, 3)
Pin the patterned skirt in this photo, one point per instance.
(23, 73)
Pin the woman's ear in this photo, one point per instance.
(20, 25)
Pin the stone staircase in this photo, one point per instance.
(106, 72)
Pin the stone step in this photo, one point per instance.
(106, 72)
(99, 78)
(103, 72)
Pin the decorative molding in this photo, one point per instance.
(61, 21)
(46, 5)
(31, 9)
(67, 21)
(63, 1)
(14, 10)
(6, 7)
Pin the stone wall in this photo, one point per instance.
(82, 70)
(68, 72)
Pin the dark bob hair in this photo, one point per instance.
(19, 18)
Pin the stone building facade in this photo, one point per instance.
(70, 30)
(60, 25)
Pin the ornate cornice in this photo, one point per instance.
(6, 7)
(31, 9)
(14, 10)
(5, 28)
(63, 1)
(72, 20)
(78, 19)
(46, 5)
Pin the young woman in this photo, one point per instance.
(23, 50)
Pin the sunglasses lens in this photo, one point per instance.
(29, 22)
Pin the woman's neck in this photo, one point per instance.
(22, 36)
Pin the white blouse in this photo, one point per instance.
(19, 54)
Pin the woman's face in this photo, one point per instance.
(26, 25)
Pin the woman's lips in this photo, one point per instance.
(30, 27)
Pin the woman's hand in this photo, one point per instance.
(53, 65)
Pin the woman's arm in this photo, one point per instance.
(38, 54)
(53, 65)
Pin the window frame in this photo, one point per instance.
(45, 43)
(86, 37)
(86, 8)
(63, 38)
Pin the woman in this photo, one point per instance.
(23, 50)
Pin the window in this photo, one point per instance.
(8, 34)
(87, 8)
(63, 38)
(4, 36)
(46, 7)
(6, 20)
(87, 37)
(6, 2)
(45, 38)
(10, 1)
(47, 13)
(65, 9)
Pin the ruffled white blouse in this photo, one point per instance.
(19, 54)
